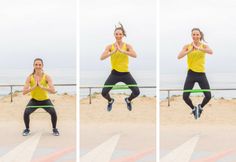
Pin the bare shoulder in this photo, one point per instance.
(29, 77)
(128, 46)
(187, 45)
(48, 77)
(108, 47)
(205, 45)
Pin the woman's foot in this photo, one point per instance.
(129, 106)
(26, 132)
(194, 112)
(109, 106)
(200, 109)
(55, 132)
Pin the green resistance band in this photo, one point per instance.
(119, 87)
(43, 106)
(197, 90)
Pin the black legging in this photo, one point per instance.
(116, 77)
(50, 110)
(201, 79)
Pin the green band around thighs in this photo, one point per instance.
(197, 90)
(117, 87)
(43, 106)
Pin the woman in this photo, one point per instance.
(196, 52)
(39, 84)
(119, 53)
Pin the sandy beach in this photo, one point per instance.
(12, 125)
(215, 130)
(136, 128)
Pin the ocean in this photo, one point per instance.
(216, 80)
(97, 78)
(18, 76)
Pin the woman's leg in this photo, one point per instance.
(51, 111)
(27, 113)
(188, 85)
(129, 80)
(111, 80)
(53, 114)
(203, 83)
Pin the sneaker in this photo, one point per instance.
(26, 132)
(129, 106)
(194, 112)
(55, 132)
(109, 106)
(200, 109)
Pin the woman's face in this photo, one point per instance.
(118, 35)
(196, 35)
(38, 65)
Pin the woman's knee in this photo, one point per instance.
(208, 95)
(186, 96)
(27, 113)
(52, 112)
(104, 93)
(136, 91)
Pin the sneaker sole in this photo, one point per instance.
(197, 113)
(26, 134)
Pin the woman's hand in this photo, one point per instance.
(27, 88)
(40, 86)
(107, 52)
(130, 51)
(195, 46)
(205, 48)
(185, 51)
(117, 47)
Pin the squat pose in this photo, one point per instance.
(39, 84)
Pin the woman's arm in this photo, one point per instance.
(107, 52)
(184, 52)
(206, 49)
(130, 51)
(27, 88)
(50, 88)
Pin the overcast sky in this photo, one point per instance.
(215, 18)
(97, 21)
(45, 28)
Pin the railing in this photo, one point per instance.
(21, 85)
(179, 90)
(99, 87)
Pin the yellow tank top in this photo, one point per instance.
(120, 61)
(196, 60)
(38, 93)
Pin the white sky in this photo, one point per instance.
(45, 28)
(97, 21)
(215, 18)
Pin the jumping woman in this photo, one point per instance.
(39, 84)
(119, 53)
(196, 52)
